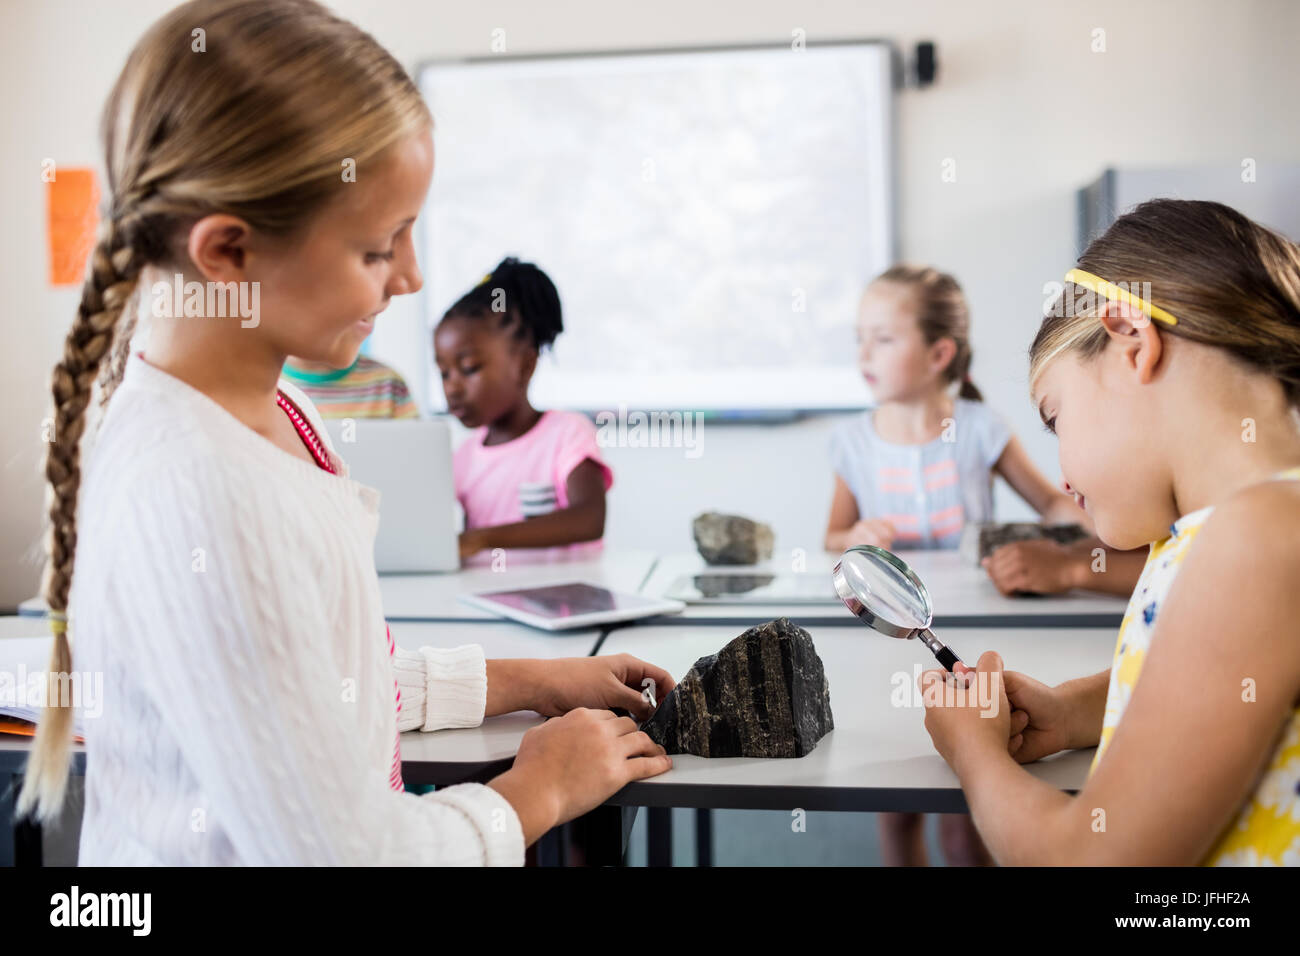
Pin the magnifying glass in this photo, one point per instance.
(885, 594)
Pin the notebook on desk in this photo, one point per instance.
(24, 666)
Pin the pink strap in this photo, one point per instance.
(305, 432)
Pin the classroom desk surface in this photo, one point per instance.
(436, 597)
(963, 596)
(878, 757)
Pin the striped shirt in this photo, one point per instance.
(927, 492)
(368, 389)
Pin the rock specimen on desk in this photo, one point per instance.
(763, 695)
(978, 541)
(731, 539)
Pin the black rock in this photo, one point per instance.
(731, 539)
(763, 695)
(981, 540)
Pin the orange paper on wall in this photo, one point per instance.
(72, 200)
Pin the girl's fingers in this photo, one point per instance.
(1019, 721)
(1015, 743)
(639, 744)
(635, 671)
(928, 678)
(632, 702)
(622, 725)
(638, 768)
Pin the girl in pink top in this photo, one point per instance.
(526, 479)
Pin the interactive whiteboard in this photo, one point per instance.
(709, 217)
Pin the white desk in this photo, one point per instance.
(963, 596)
(435, 597)
(878, 757)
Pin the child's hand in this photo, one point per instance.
(1038, 567)
(967, 713)
(1039, 718)
(617, 680)
(573, 764)
(873, 531)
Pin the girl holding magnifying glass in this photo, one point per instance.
(1170, 371)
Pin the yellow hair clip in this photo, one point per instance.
(486, 278)
(58, 623)
(1117, 294)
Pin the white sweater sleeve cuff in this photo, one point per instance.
(441, 687)
(492, 816)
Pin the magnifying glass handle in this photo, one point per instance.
(942, 652)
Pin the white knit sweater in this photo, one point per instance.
(226, 591)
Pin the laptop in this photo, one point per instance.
(409, 463)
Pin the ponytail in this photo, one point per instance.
(522, 295)
(941, 313)
(961, 366)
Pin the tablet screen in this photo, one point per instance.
(565, 600)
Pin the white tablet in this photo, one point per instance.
(559, 607)
(753, 587)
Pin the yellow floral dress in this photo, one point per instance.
(1266, 832)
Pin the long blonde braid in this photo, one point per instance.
(114, 269)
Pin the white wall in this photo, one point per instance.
(1024, 108)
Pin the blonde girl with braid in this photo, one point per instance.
(215, 565)
(1169, 369)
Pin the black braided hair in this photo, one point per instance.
(528, 297)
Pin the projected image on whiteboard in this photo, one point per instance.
(710, 218)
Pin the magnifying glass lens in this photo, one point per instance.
(881, 586)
